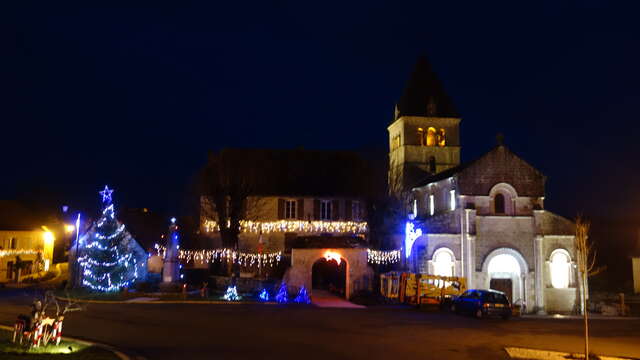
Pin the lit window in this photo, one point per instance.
(431, 136)
(442, 138)
(290, 209)
(560, 269)
(452, 199)
(443, 263)
(432, 205)
(421, 139)
(415, 208)
(325, 210)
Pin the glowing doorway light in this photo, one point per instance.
(332, 255)
(410, 236)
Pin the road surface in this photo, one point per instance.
(193, 331)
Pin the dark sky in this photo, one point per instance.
(135, 96)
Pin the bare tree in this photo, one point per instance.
(586, 259)
(229, 179)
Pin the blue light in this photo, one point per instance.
(181, 276)
(106, 194)
(410, 236)
(173, 220)
(264, 295)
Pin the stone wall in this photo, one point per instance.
(504, 231)
(359, 274)
(500, 165)
(560, 300)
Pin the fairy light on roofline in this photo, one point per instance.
(265, 227)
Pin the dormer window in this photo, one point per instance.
(325, 210)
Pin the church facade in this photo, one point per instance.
(484, 220)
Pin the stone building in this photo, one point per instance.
(26, 246)
(484, 220)
(310, 205)
(301, 198)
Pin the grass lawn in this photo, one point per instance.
(10, 351)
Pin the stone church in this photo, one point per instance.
(484, 220)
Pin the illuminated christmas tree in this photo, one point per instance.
(231, 294)
(264, 295)
(109, 257)
(303, 296)
(283, 296)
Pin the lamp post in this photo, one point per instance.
(78, 275)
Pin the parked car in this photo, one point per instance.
(481, 303)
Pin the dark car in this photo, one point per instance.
(481, 303)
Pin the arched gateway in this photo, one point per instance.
(358, 275)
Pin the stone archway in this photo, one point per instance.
(506, 271)
(329, 275)
(358, 274)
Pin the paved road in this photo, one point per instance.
(188, 331)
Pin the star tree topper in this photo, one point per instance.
(106, 194)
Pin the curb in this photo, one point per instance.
(579, 317)
(539, 354)
(117, 352)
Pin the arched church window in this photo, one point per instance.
(560, 269)
(432, 164)
(442, 139)
(443, 262)
(431, 136)
(499, 204)
(421, 137)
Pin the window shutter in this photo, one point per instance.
(280, 209)
(316, 209)
(335, 212)
(348, 210)
(300, 209)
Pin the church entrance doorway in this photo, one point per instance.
(330, 275)
(504, 272)
(504, 285)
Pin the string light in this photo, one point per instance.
(16, 252)
(264, 295)
(383, 257)
(106, 194)
(231, 294)
(237, 257)
(265, 227)
(282, 297)
(303, 296)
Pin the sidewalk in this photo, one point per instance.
(324, 299)
(579, 317)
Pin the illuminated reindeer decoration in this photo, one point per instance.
(40, 329)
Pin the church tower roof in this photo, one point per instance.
(424, 94)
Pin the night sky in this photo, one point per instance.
(135, 96)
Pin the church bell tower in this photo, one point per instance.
(424, 137)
